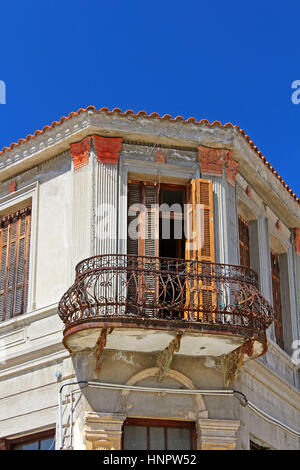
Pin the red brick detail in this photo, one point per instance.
(107, 149)
(212, 160)
(297, 240)
(160, 156)
(231, 170)
(12, 187)
(80, 152)
(278, 225)
(248, 191)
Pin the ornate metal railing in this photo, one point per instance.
(127, 287)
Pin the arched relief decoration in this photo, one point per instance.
(201, 410)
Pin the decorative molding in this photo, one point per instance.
(231, 169)
(172, 374)
(166, 356)
(80, 152)
(107, 149)
(278, 225)
(160, 156)
(218, 434)
(12, 187)
(103, 431)
(99, 350)
(231, 363)
(212, 159)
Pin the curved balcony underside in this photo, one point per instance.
(143, 303)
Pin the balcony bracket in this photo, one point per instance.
(166, 356)
(99, 348)
(231, 363)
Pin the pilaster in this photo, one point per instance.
(107, 188)
(218, 434)
(103, 431)
(81, 201)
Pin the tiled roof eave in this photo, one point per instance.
(143, 114)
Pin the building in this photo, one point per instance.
(158, 340)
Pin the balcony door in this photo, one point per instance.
(171, 221)
(167, 224)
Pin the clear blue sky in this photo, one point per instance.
(228, 61)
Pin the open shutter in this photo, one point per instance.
(149, 284)
(200, 293)
(133, 201)
(142, 198)
(14, 256)
(244, 242)
(277, 305)
(146, 245)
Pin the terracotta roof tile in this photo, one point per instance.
(130, 112)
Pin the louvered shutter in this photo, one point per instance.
(147, 243)
(150, 247)
(277, 305)
(133, 201)
(244, 242)
(142, 198)
(14, 248)
(200, 294)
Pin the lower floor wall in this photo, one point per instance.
(105, 432)
(93, 419)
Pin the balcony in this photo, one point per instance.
(137, 303)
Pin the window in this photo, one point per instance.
(154, 434)
(40, 441)
(244, 242)
(277, 305)
(14, 263)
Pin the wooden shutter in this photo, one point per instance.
(277, 298)
(147, 244)
(14, 257)
(200, 294)
(133, 200)
(244, 242)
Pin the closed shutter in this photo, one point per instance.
(200, 294)
(244, 242)
(14, 256)
(277, 298)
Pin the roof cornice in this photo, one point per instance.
(53, 139)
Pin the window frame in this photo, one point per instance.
(31, 438)
(11, 224)
(164, 423)
(10, 203)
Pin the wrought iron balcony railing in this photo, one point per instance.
(128, 288)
